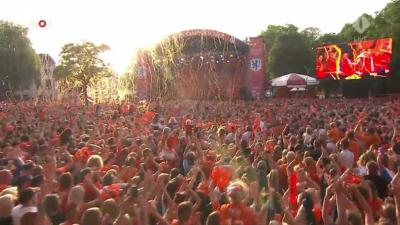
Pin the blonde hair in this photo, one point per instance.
(95, 162)
(91, 216)
(110, 207)
(10, 191)
(244, 186)
(365, 157)
(6, 205)
(76, 195)
(163, 177)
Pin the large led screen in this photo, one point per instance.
(354, 60)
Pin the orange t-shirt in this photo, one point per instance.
(355, 149)
(334, 134)
(237, 214)
(128, 173)
(368, 140)
(283, 176)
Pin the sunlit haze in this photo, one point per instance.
(128, 25)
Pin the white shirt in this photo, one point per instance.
(19, 210)
(262, 125)
(307, 139)
(360, 171)
(246, 136)
(346, 158)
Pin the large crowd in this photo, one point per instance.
(296, 162)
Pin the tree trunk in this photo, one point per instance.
(85, 95)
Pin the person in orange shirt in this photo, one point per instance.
(283, 177)
(369, 138)
(334, 133)
(236, 212)
(354, 147)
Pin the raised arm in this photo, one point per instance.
(327, 206)
(395, 184)
(151, 210)
(369, 220)
(289, 169)
(358, 127)
(394, 133)
(320, 164)
(341, 208)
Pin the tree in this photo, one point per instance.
(81, 67)
(273, 32)
(349, 33)
(391, 14)
(291, 53)
(311, 34)
(330, 38)
(271, 36)
(19, 64)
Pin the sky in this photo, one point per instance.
(127, 25)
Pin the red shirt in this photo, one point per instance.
(331, 66)
(347, 67)
(64, 199)
(232, 214)
(383, 60)
(320, 70)
(42, 115)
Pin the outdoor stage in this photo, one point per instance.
(202, 64)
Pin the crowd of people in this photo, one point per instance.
(296, 162)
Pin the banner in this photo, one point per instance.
(256, 68)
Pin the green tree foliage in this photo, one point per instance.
(312, 34)
(330, 38)
(290, 53)
(288, 50)
(349, 33)
(273, 32)
(19, 64)
(291, 50)
(80, 66)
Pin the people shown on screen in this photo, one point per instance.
(332, 61)
(383, 56)
(366, 58)
(321, 67)
(347, 67)
(364, 63)
(326, 62)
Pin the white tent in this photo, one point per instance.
(294, 80)
(298, 89)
